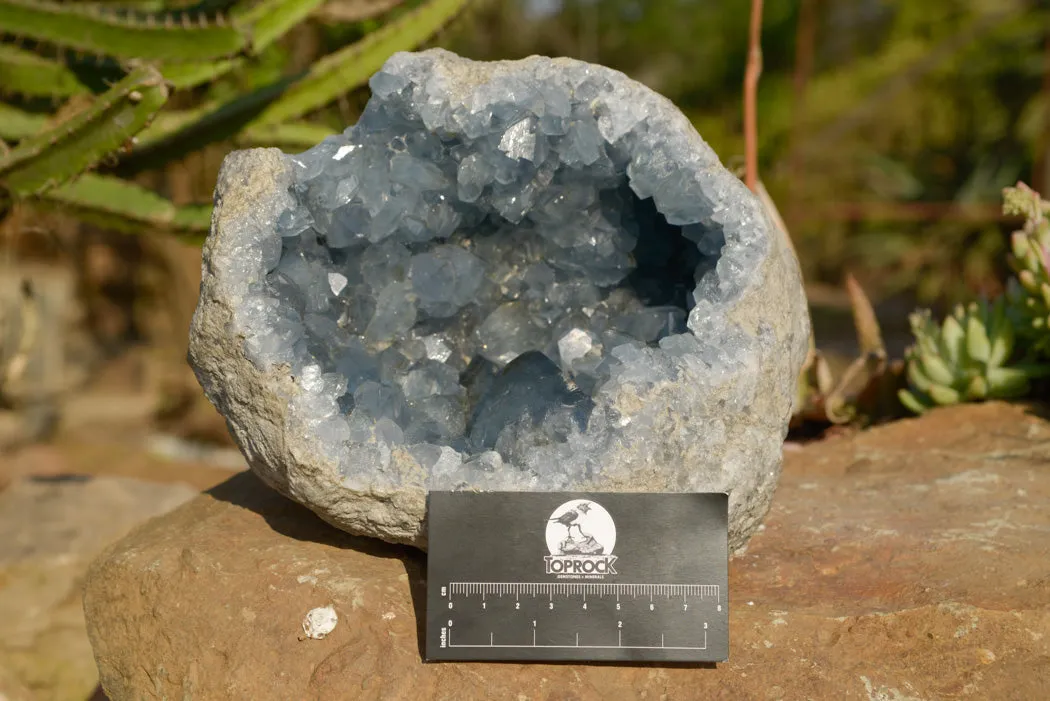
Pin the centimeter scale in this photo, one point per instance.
(528, 576)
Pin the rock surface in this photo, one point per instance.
(53, 527)
(476, 212)
(907, 563)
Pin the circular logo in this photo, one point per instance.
(580, 527)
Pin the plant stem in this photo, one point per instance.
(753, 71)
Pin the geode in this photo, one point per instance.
(520, 275)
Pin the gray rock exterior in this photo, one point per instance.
(705, 410)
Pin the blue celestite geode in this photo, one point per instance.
(514, 275)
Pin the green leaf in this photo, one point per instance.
(945, 396)
(978, 347)
(911, 402)
(936, 369)
(917, 378)
(1002, 342)
(953, 340)
(1008, 383)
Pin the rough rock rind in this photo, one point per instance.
(750, 339)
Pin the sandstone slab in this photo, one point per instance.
(52, 528)
(906, 563)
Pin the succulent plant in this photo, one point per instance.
(969, 357)
(1029, 292)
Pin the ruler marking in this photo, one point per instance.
(588, 647)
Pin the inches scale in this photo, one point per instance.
(528, 576)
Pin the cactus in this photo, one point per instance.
(24, 73)
(1029, 292)
(971, 356)
(91, 29)
(352, 66)
(159, 46)
(268, 20)
(117, 204)
(16, 125)
(80, 142)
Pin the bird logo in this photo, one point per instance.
(588, 529)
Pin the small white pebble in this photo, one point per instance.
(751, 603)
(319, 622)
(389, 616)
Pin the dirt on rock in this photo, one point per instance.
(908, 562)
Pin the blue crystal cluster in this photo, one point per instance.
(461, 274)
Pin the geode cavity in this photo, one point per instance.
(529, 275)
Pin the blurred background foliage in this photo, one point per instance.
(887, 130)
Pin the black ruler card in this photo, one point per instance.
(567, 576)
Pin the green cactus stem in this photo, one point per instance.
(183, 75)
(16, 124)
(293, 136)
(27, 74)
(269, 20)
(177, 132)
(114, 203)
(93, 30)
(79, 143)
(351, 67)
